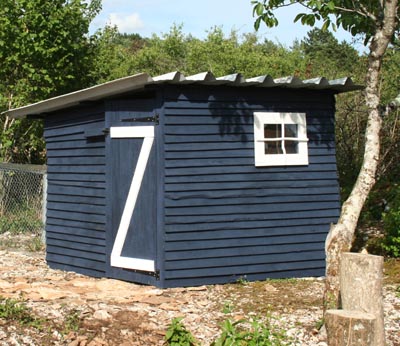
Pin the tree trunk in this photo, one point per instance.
(349, 328)
(361, 289)
(340, 236)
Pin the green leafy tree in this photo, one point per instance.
(377, 22)
(219, 53)
(389, 168)
(115, 54)
(328, 57)
(163, 54)
(45, 50)
(391, 220)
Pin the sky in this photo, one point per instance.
(147, 17)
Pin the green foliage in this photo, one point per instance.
(43, 46)
(115, 54)
(36, 244)
(45, 51)
(356, 17)
(174, 51)
(178, 335)
(319, 324)
(390, 135)
(259, 333)
(13, 310)
(391, 222)
(327, 57)
(17, 311)
(233, 333)
(242, 280)
(22, 219)
(227, 308)
(72, 321)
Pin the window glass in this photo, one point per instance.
(291, 130)
(291, 147)
(273, 147)
(272, 130)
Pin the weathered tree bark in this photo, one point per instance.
(349, 328)
(341, 235)
(361, 288)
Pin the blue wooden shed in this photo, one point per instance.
(181, 181)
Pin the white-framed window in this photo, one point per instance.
(280, 139)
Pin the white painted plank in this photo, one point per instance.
(133, 263)
(132, 132)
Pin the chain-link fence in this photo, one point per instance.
(22, 189)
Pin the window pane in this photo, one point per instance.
(291, 130)
(292, 147)
(273, 147)
(272, 131)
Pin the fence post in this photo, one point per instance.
(44, 206)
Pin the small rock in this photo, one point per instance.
(101, 315)
(197, 289)
(315, 331)
(97, 342)
(169, 307)
(74, 343)
(70, 336)
(155, 300)
(270, 288)
(57, 335)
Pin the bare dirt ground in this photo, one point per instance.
(76, 310)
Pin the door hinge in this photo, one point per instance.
(155, 274)
(155, 119)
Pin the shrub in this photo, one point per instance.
(178, 335)
(15, 310)
(259, 333)
(238, 333)
(391, 222)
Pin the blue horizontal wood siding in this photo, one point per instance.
(225, 218)
(76, 201)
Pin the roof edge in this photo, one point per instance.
(93, 93)
(139, 81)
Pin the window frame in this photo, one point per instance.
(283, 159)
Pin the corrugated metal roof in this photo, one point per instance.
(139, 81)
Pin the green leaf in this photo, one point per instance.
(326, 25)
(259, 8)
(299, 16)
(331, 5)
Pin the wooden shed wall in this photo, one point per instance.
(226, 219)
(75, 227)
(220, 218)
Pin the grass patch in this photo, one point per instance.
(17, 314)
(13, 310)
(253, 332)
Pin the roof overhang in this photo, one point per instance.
(139, 81)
